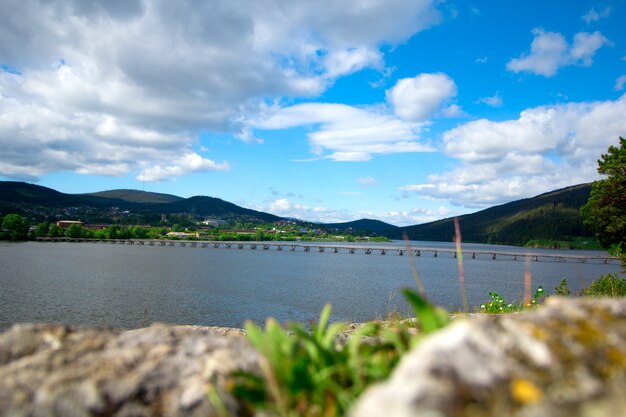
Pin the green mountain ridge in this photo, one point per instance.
(550, 216)
(135, 196)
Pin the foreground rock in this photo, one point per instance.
(566, 359)
(49, 370)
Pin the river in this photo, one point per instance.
(130, 286)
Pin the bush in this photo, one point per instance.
(562, 288)
(608, 285)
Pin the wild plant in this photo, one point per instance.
(498, 304)
(316, 373)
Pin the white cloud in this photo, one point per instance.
(549, 51)
(585, 46)
(110, 87)
(348, 61)
(367, 181)
(593, 15)
(286, 208)
(348, 133)
(453, 110)
(619, 83)
(482, 60)
(416, 98)
(546, 148)
(493, 101)
(183, 165)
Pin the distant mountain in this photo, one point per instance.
(15, 196)
(210, 206)
(551, 216)
(366, 225)
(22, 193)
(135, 196)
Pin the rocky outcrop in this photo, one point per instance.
(49, 370)
(566, 359)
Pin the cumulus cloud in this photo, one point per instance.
(111, 87)
(594, 15)
(183, 165)
(546, 148)
(348, 133)
(416, 98)
(549, 51)
(284, 207)
(287, 208)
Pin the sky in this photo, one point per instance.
(405, 111)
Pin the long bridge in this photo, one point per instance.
(352, 249)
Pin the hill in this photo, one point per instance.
(135, 196)
(22, 198)
(211, 206)
(366, 225)
(13, 193)
(550, 216)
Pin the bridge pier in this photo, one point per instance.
(435, 254)
(493, 256)
(321, 249)
(293, 248)
(383, 251)
(474, 255)
(368, 251)
(253, 246)
(400, 252)
(307, 248)
(335, 250)
(279, 247)
(351, 250)
(418, 253)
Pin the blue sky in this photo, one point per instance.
(403, 111)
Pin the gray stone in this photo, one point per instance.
(565, 359)
(53, 370)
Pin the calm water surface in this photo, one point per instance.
(116, 285)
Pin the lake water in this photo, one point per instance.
(128, 286)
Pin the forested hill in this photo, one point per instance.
(21, 198)
(550, 216)
(135, 196)
(367, 225)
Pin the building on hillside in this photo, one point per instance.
(67, 223)
(180, 235)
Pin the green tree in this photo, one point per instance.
(605, 212)
(42, 229)
(55, 231)
(14, 227)
(75, 231)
